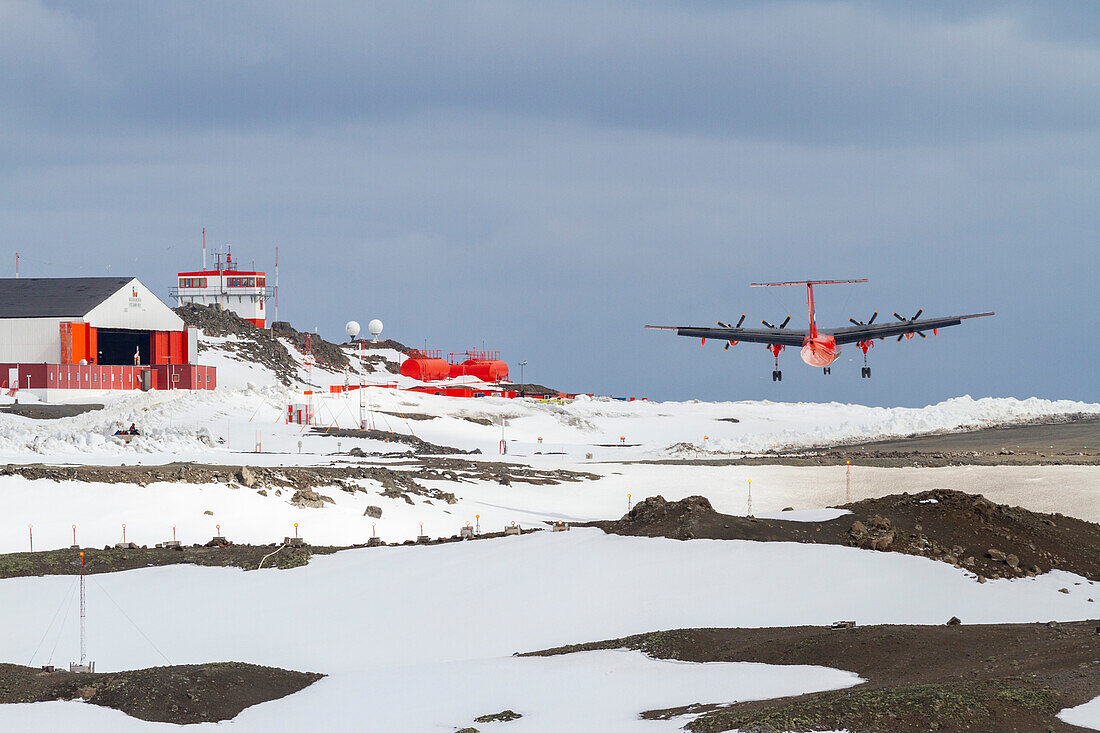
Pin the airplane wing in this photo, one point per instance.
(784, 336)
(865, 333)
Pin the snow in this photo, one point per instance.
(421, 638)
(1086, 715)
(592, 691)
(377, 620)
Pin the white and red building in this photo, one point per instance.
(244, 292)
(102, 333)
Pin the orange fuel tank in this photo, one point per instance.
(487, 370)
(425, 369)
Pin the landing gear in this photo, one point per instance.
(777, 376)
(865, 372)
(827, 370)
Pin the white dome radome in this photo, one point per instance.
(352, 329)
(375, 328)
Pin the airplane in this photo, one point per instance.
(820, 347)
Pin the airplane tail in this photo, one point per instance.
(809, 294)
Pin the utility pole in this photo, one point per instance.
(522, 384)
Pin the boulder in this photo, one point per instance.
(953, 621)
(996, 555)
(880, 522)
(374, 512)
(309, 499)
(858, 530)
(883, 543)
(1012, 561)
(245, 477)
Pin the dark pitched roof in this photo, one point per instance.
(55, 297)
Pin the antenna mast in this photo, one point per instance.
(17, 264)
(276, 283)
(204, 249)
(83, 632)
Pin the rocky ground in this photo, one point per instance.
(215, 553)
(49, 412)
(1004, 677)
(964, 530)
(1072, 440)
(259, 346)
(301, 482)
(194, 693)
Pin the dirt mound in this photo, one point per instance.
(193, 693)
(680, 520)
(1003, 677)
(964, 530)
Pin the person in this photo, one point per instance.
(133, 429)
(137, 356)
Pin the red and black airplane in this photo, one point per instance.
(820, 347)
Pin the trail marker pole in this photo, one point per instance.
(628, 502)
(74, 535)
(295, 530)
(848, 482)
(30, 532)
(750, 498)
(124, 534)
(477, 524)
(173, 533)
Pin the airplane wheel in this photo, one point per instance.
(868, 372)
(827, 370)
(780, 375)
(774, 378)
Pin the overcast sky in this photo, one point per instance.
(547, 178)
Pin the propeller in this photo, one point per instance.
(781, 325)
(910, 320)
(869, 320)
(726, 325)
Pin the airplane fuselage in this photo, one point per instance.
(820, 350)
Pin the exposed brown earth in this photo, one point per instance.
(67, 562)
(965, 530)
(1072, 440)
(49, 412)
(193, 693)
(1005, 677)
(259, 346)
(418, 445)
(215, 553)
(397, 483)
